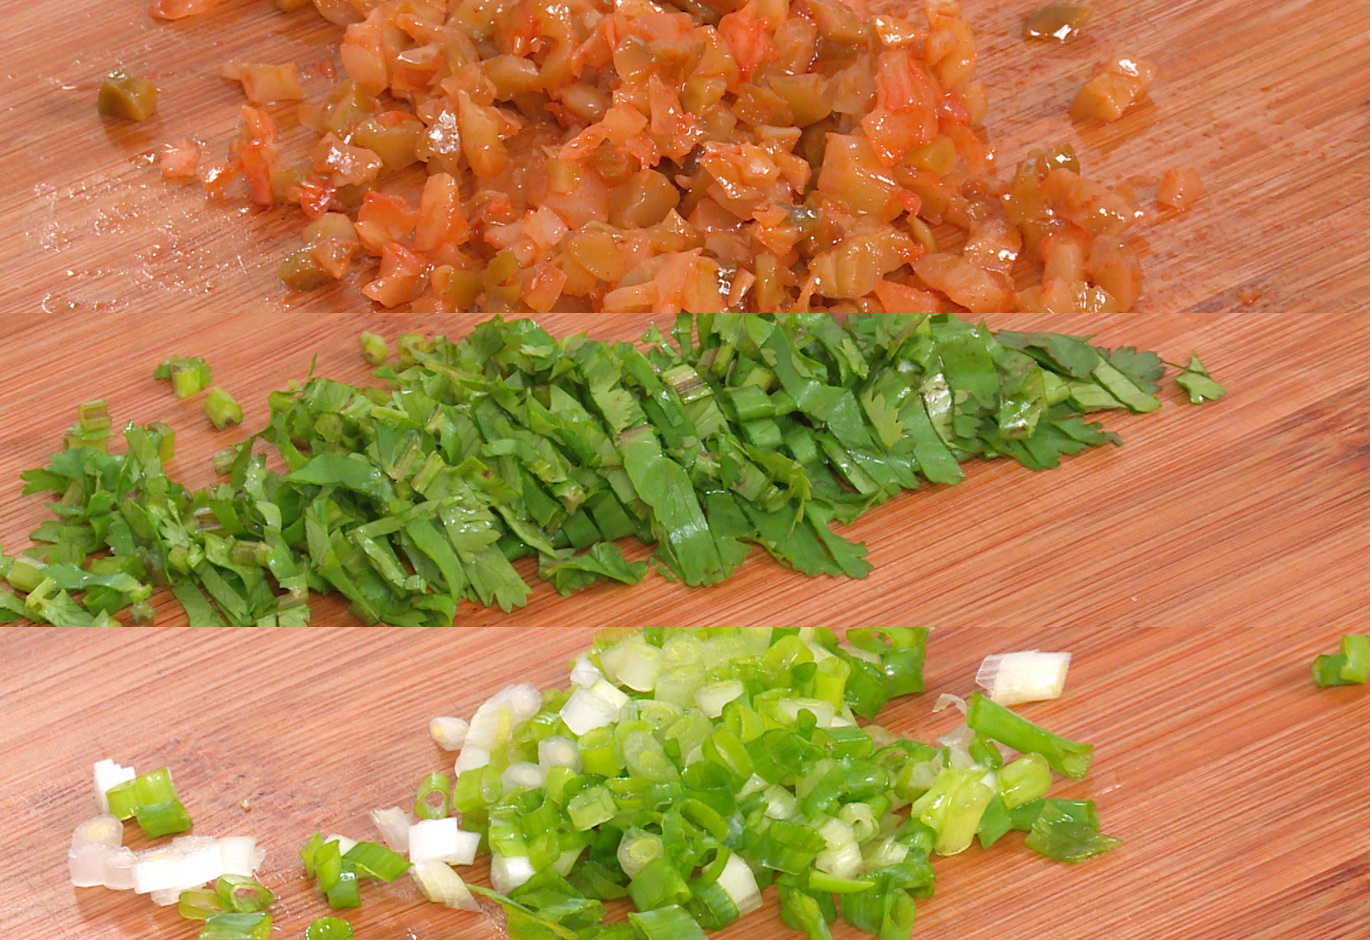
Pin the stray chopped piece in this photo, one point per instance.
(176, 9)
(178, 159)
(1058, 22)
(124, 96)
(1180, 188)
(1109, 94)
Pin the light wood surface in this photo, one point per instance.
(1264, 99)
(1240, 790)
(1194, 572)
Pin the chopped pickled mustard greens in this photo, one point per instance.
(123, 96)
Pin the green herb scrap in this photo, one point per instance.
(1195, 380)
(1350, 666)
(734, 430)
(187, 375)
(697, 788)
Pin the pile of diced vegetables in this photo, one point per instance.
(513, 155)
(727, 432)
(687, 771)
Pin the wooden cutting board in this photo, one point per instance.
(1240, 790)
(1195, 571)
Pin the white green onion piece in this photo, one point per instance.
(345, 843)
(842, 862)
(559, 751)
(448, 732)
(584, 711)
(633, 663)
(523, 774)
(165, 871)
(957, 742)
(92, 845)
(119, 869)
(471, 757)
(501, 713)
(240, 855)
(440, 883)
(508, 872)
(1023, 676)
(108, 774)
(712, 696)
(393, 824)
(585, 673)
(739, 883)
(441, 840)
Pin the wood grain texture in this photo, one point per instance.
(1238, 532)
(1239, 789)
(1245, 512)
(1265, 99)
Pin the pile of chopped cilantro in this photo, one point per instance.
(734, 430)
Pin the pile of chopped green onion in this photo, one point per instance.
(688, 771)
(732, 431)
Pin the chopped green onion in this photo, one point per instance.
(1024, 780)
(665, 923)
(163, 818)
(242, 895)
(591, 807)
(658, 884)
(995, 821)
(232, 926)
(328, 928)
(154, 787)
(151, 798)
(196, 904)
(637, 850)
(344, 890)
(1059, 835)
(373, 860)
(434, 797)
(995, 721)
